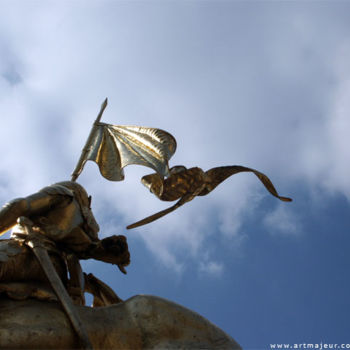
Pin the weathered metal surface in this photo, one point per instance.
(140, 323)
(34, 241)
(53, 229)
(186, 184)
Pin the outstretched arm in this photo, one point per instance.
(112, 250)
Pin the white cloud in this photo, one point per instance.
(283, 221)
(338, 126)
(211, 268)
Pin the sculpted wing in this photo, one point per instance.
(220, 174)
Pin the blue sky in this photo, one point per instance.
(260, 84)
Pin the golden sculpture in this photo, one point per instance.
(58, 226)
(113, 147)
(143, 322)
(55, 228)
(186, 184)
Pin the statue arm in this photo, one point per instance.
(11, 211)
(113, 250)
(34, 204)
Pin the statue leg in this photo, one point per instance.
(34, 241)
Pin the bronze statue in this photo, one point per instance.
(58, 226)
(62, 213)
(54, 228)
(143, 322)
(186, 184)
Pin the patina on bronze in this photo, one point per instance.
(186, 184)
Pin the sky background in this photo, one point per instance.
(260, 84)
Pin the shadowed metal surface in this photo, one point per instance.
(142, 322)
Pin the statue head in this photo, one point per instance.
(84, 201)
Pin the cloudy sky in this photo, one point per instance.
(260, 84)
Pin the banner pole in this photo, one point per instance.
(79, 167)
